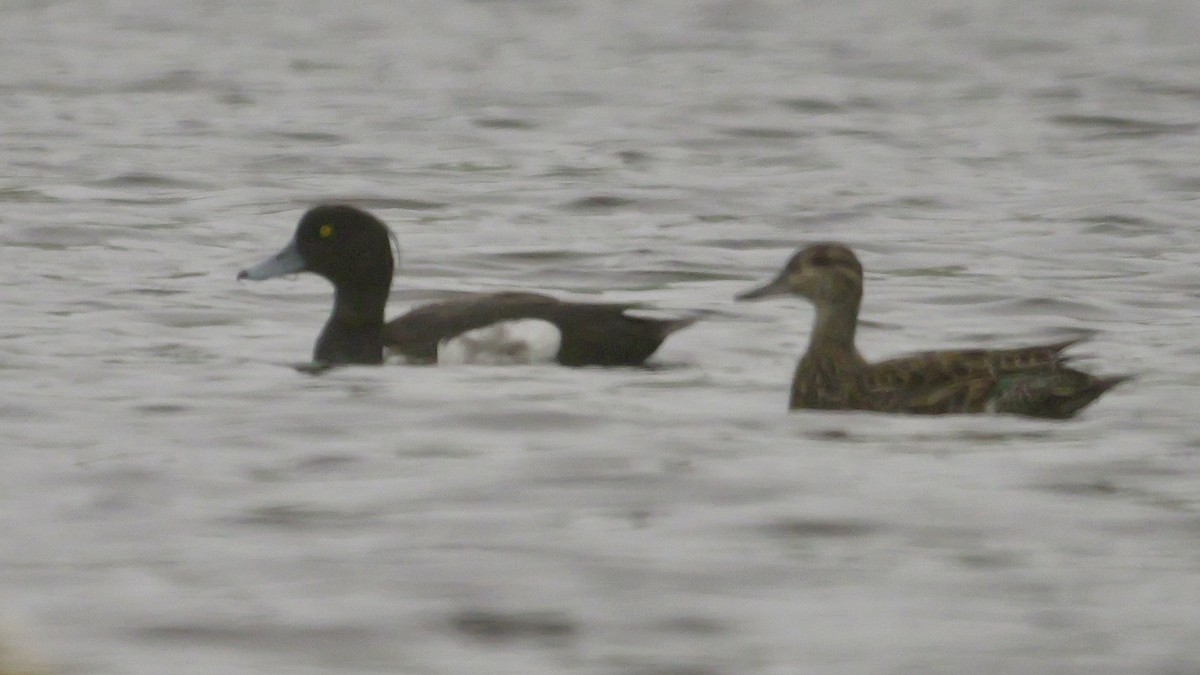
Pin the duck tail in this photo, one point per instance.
(1094, 389)
(1103, 384)
(1056, 395)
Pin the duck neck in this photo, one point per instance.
(354, 332)
(833, 330)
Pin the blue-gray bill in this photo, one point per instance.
(287, 261)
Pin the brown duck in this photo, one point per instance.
(832, 375)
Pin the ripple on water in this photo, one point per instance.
(147, 179)
(1112, 126)
(347, 644)
(396, 204)
(964, 299)
(810, 105)
(765, 133)
(599, 203)
(545, 626)
(936, 271)
(1122, 225)
(162, 408)
(58, 237)
(1057, 307)
(25, 196)
(517, 420)
(634, 157)
(511, 123)
(295, 516)
(547, 255)
(173, 81)
(322, 137)
(810, 528)
(989, 559)
(1188, 92)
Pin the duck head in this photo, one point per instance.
(348, 246)
(827, 275)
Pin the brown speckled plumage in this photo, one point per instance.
(832, 375)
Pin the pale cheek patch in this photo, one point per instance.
(521, 341)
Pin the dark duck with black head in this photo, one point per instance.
(1034, 381)
(352, 249)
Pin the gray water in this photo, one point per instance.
(177, 499)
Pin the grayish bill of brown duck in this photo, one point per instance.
(353, 250)
(1034, 381)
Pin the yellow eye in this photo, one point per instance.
(325, 232)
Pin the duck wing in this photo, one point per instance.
(417, 333)
(591, 333)
(1031, 381)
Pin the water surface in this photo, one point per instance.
(177, 499)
